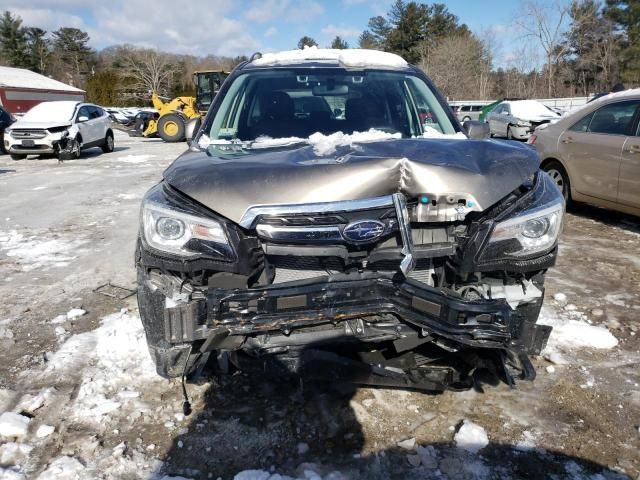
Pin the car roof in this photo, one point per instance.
(312, 56)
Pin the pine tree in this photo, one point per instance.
(306, 42)
(367, 40)
(13, 41)
(626, 15)
(37, 49)
(71, 46)
(339, 43)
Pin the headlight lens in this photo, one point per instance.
(532, 231)
(180, 233)
(523, 123)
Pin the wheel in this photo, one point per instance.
(71, 150)
(15, 156)
(107, 146)
(560, 177)
(509, 134)
(466, 118)
(171, 127)
(2, 149)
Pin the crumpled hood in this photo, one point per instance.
(230, 184)
(38, 125)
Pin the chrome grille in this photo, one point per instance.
(28, 134)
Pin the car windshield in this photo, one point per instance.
(51, 112)
(297, 103)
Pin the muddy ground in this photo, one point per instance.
(67, 229)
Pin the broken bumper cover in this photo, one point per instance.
(219, 315)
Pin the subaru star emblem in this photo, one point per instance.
(363, 231)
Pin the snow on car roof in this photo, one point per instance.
(60, 111)
(352, 57)
(21, 78)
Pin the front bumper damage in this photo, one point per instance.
(294, 321)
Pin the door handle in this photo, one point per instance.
(567, 140)
(633, 149)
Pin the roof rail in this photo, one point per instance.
(255, 56)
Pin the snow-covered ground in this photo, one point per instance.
(79, 398)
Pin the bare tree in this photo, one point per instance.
(150, 70)
(471, 76)
(545, 21)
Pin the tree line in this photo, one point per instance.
(587, 46)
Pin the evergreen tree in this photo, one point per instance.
(339, 43)
(410, 28)
(71, 46)
(306, 42)
(367, 40)
(626, 15)
(102, 88)
(37, 49)
(13, 41)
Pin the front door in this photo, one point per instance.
(592, 149)
(629, 186)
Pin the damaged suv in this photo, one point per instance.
(332, 211)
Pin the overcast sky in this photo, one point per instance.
(236, 27)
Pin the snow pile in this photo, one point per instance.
(14, 454)
(350, 58)
(430, 132)
(35, 252)
(326, 144)
(64, 468)
(571, 333)
(471, 437)
(13, 425)
(116, 359)
(305, 474)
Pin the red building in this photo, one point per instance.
(22, 89)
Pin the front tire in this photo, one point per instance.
(171, 128)
(509, 133)
(560, 177)
(109, 144)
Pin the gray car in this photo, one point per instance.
(366, 246)
(517, 119)
(593, 154)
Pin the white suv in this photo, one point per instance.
(61, 128)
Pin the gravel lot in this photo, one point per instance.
(67, 229)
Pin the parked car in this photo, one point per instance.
(117, 116)
(389, 252)
(518, 119)
(6, 119)
(61, 128)
(593, 154)
(469, 112)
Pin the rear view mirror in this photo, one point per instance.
(476, 130)
(191, 128)
(330, 90)
(83, 119)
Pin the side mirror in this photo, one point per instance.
(476, 130)
(191, 128)
(83, 119)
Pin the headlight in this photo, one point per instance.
(7, 131)
(523, 123)
(180, 233)
(532, 231)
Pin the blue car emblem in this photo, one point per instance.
(363, 231)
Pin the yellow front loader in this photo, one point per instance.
(174, 114)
